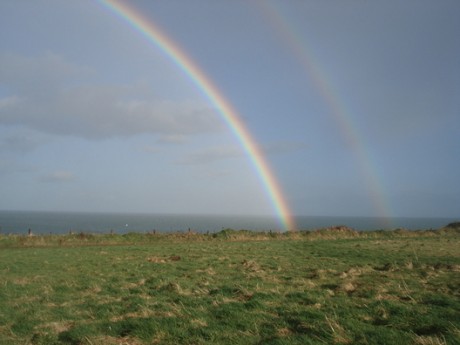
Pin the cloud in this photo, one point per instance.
(58, 176)
(38, 76)
(172, 139)
(63, 100)
(211, 155)
(9, 102)
(21, 140)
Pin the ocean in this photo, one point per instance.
(19, 222)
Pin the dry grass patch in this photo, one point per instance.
(339, 334)
(108, 340)
(251, 265)
(143, 314)
(141, 282)
(156, 260)
(348, 287)
(426, 340)
(198, 323)
(57, 327)
(283, 332)
(162, 260)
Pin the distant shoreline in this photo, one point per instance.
(45, 222)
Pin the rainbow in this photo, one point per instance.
(338, 109)
(230, 116)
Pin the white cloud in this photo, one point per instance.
(52, 96)
(58, 176)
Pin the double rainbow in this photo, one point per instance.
(230, 116)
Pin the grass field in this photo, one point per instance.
(323, 287)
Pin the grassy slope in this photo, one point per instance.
(233, 288)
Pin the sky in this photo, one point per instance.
(355, 106)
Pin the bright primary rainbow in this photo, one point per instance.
(154, 35)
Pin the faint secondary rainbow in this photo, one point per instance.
(230, 116)
(299, 46)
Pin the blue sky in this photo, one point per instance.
(355, 104)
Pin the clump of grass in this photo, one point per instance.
(426, 340)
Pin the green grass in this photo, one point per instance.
(321, 287)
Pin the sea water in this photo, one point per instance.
(19, 222)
